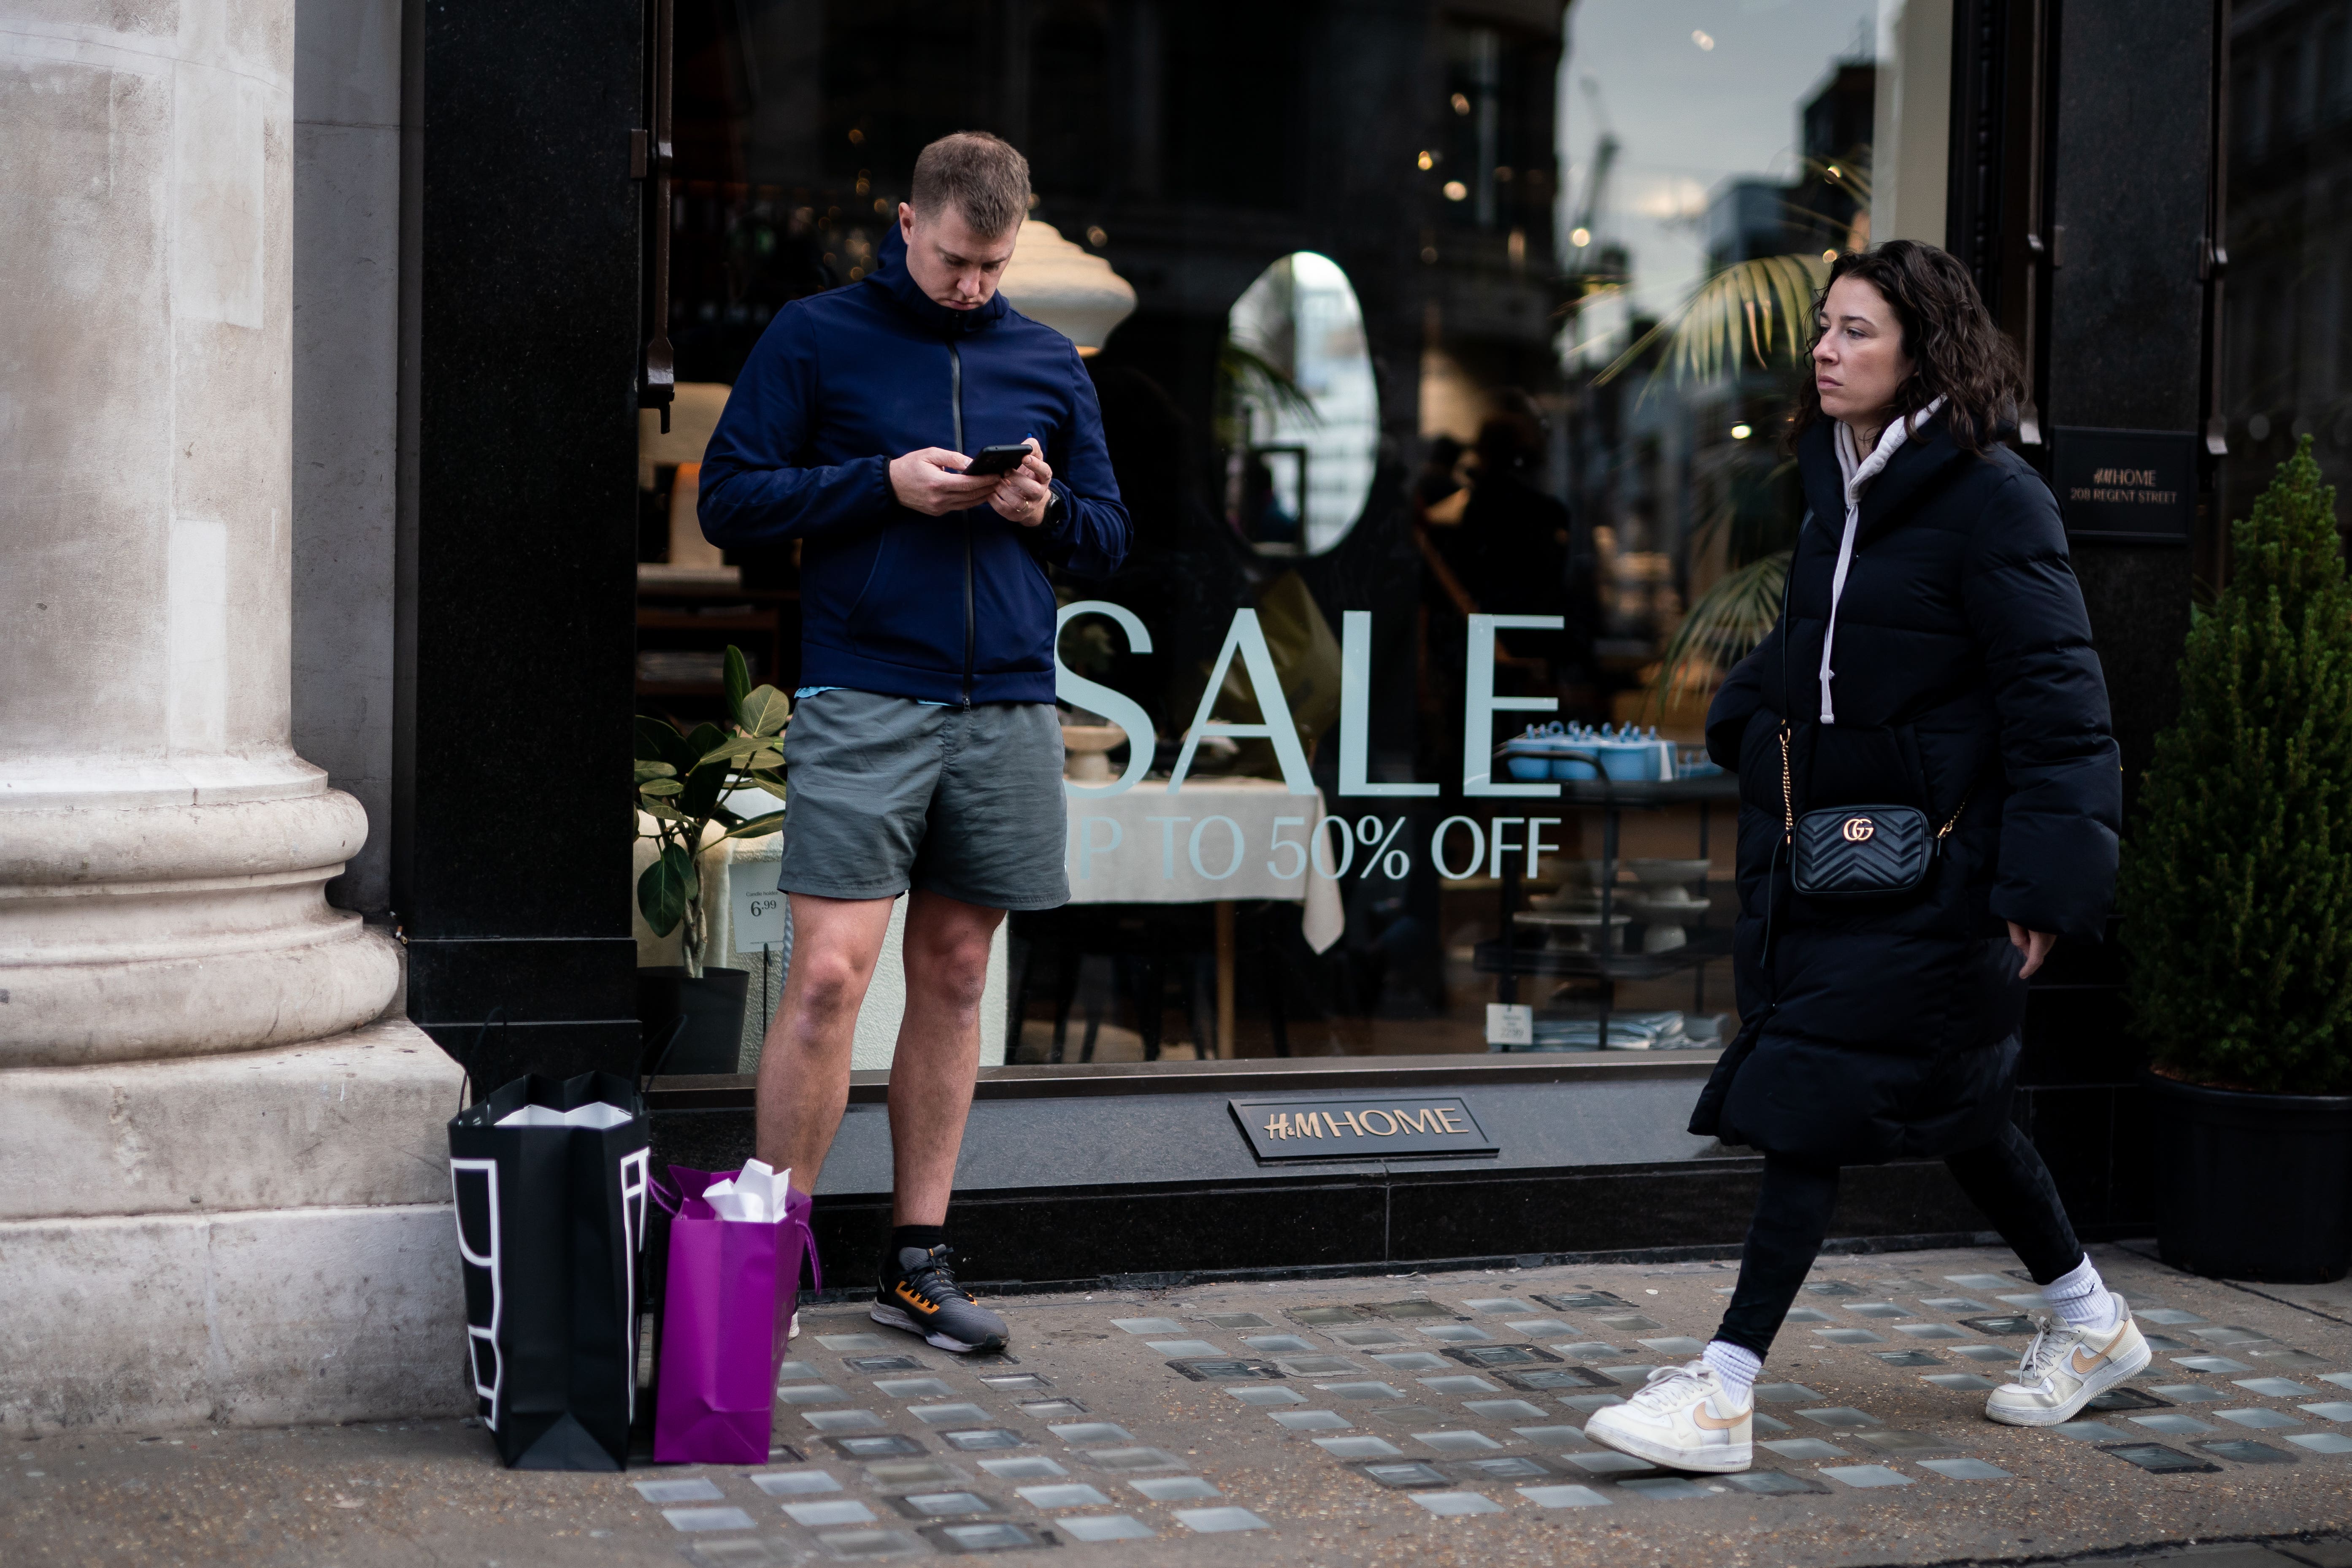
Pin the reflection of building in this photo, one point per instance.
(1670, 461)
(1823, 208)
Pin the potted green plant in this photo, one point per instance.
(2237, 899)
(684, 780)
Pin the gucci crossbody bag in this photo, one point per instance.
(1852, 851)
(1858, 851)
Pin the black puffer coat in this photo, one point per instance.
(1962, 669)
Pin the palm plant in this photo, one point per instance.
(684, 779)
(1752, 311)
(1726, 621)
(1753, 314)
(1248, 378)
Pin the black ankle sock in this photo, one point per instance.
(924, 1237)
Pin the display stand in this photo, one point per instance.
(1504, 958)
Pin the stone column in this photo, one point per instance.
(161, 847)
(169, 1146)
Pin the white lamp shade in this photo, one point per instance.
(1068, 289)
(692, 417)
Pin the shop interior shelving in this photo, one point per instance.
(1504, 956)
(764, 623)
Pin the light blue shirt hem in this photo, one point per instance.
(808, 691)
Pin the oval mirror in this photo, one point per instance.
(1297, 412)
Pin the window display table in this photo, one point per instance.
(1215, 841)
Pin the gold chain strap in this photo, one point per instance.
(1945, 831)
(1789, 808)
(1788, 795)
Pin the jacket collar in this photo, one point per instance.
(893, 278)
(1909, 475)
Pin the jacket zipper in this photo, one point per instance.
(955, 408)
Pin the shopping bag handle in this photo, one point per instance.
(808, 1249)
(671, 1197)
(466, 1095)
(668, 1194)
(658, 1055)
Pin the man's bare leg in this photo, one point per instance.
(805, 1065)
(946, 956)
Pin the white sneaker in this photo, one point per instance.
(1681, 1418)
(2065, 1368)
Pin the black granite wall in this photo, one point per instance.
(2130, 157)
(512, 806)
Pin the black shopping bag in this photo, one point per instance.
(552, 1180)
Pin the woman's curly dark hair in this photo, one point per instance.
(1956, 351)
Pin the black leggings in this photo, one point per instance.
(2005, 1178)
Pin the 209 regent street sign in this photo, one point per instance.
(1360, 1129)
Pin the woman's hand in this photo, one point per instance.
(2034, 944)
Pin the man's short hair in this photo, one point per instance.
(983, 175)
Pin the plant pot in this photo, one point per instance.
(2252, 1186)
(712, 1008)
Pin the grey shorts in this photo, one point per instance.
(884, 795)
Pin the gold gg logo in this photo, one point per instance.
(1857, 829)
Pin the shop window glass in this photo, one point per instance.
(2288, 312)
(1449, 403)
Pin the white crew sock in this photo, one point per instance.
(2082, 1299)
(1735, 1367)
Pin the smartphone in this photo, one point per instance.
(997, 459)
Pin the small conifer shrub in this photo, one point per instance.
(2237, 878)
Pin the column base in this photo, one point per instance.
(257, 1238)
(139, 923)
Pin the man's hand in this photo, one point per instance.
(929, 482)
(1025, 493)
(2034, 944)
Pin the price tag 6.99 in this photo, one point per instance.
(759, 918)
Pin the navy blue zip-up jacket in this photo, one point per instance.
(942, 609)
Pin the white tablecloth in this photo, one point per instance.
(1212, 839)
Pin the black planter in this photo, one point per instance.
(2252, 1186)
(712, 1008)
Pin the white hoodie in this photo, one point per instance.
(1859, 471)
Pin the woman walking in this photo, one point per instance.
(1929, 799)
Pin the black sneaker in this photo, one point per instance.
(921, 1296)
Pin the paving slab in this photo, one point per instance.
(1093, 1441)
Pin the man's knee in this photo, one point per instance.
(952, 965)
(829, 980)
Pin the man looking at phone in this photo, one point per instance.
(925, 753)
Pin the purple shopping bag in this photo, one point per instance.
(729, 1302)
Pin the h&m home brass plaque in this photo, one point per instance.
(1375, 1129)
(2126, 486)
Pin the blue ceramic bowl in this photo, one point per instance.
(1632, 762)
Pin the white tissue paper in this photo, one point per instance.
(595, 1113)
(754, 1194)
